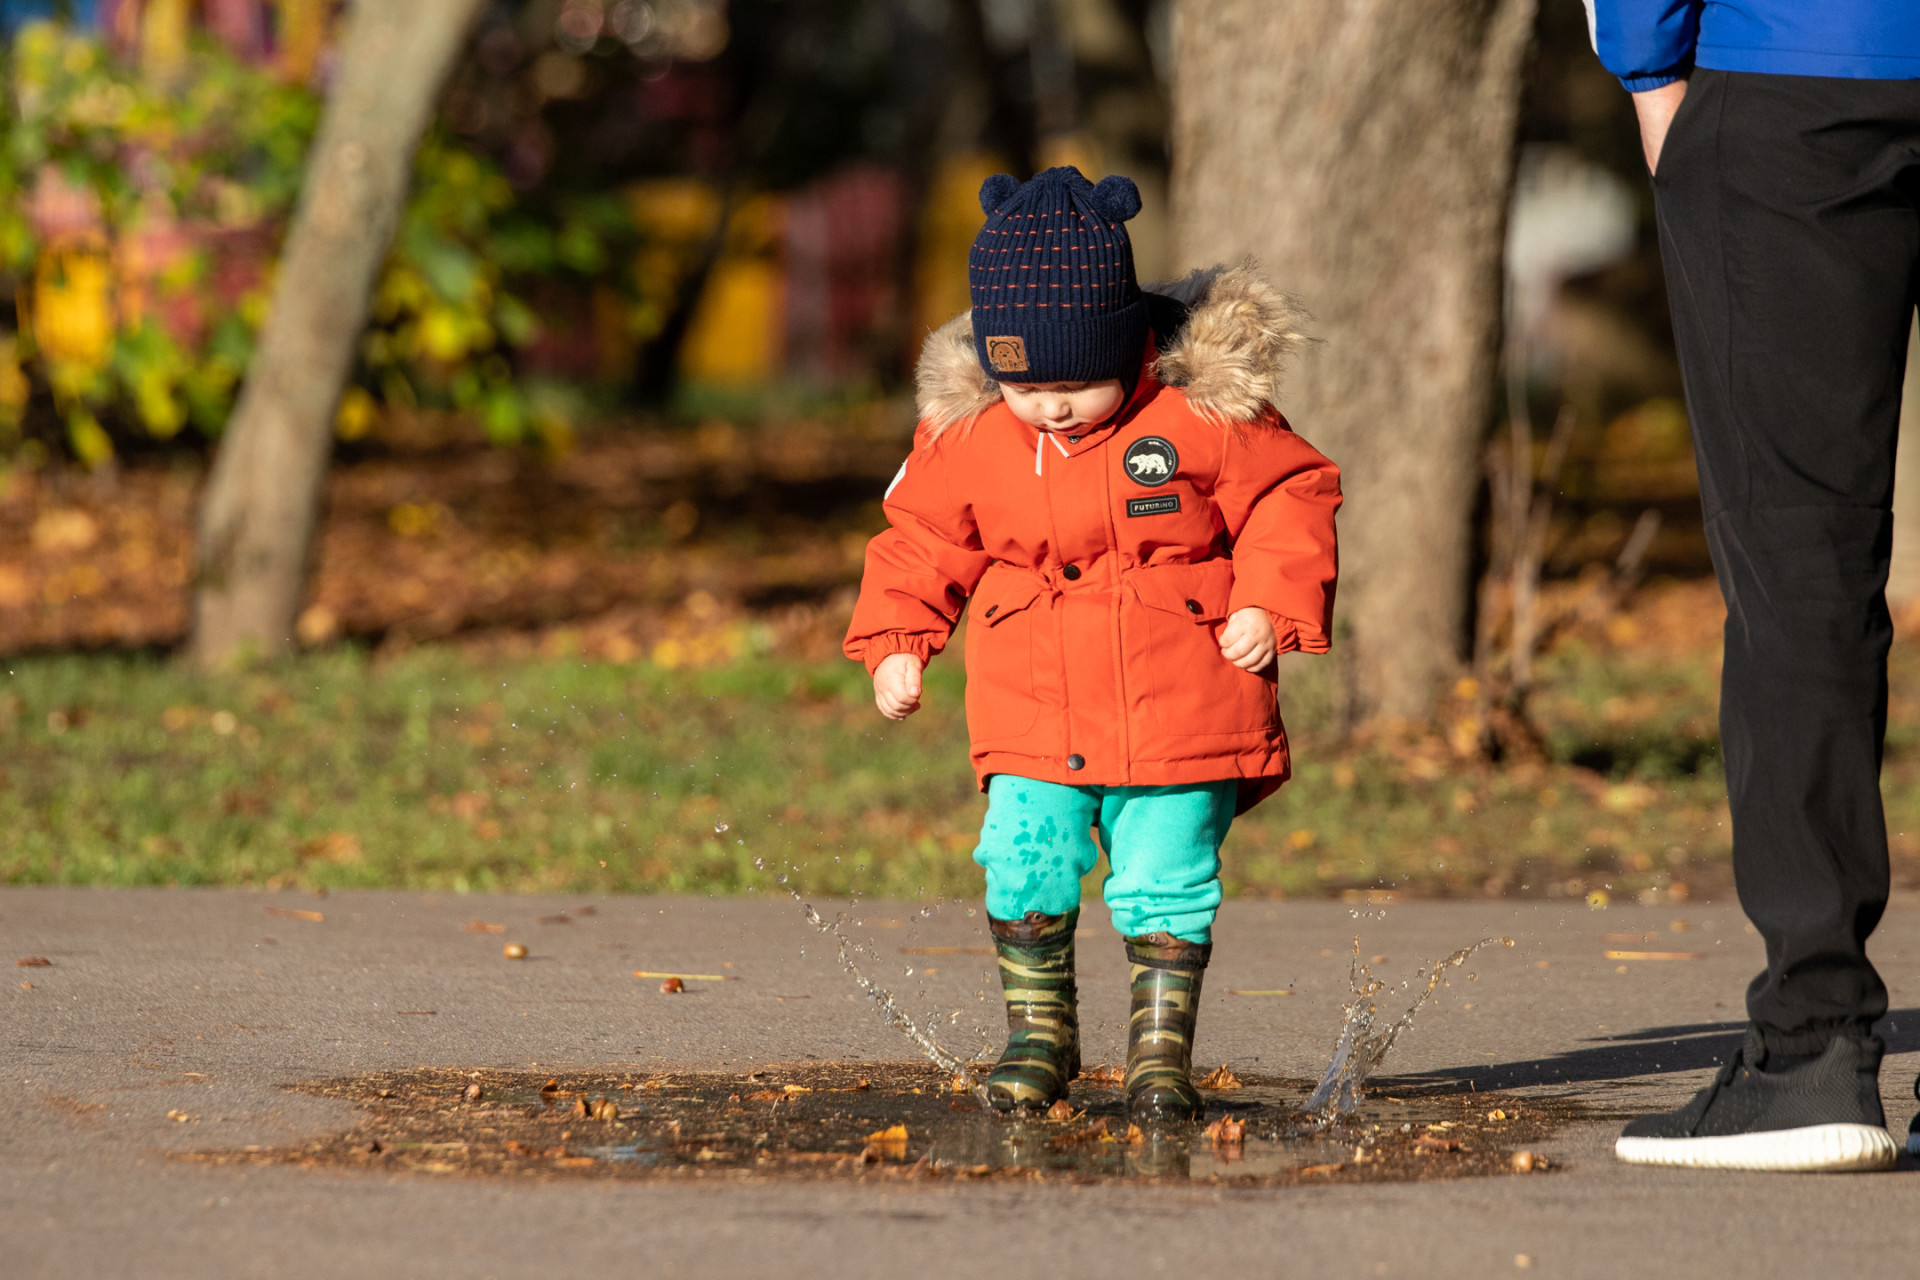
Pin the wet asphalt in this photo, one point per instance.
(202, 1004)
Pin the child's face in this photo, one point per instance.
(1063, 406)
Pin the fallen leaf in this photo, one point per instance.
(672, 986)
(33, 962)
(767, 1095)
(473, 1093)
(1527, 1162)
(514, 951)
(579, 1110)
(887, 1144)
(1105, 1075)
(1135, 1136)
(588, 910)
(960, 1083)
(481, 926)
(285, 913)
(1061, 1110)
(1431, 1144)
(26, 986)
(1323, 1168)
(178, 1117)
(1221, 1078)
(1656, 955)
(1227, 1132)
(575, 1162)
(551, 1086)
(1496, 1114)
(604, 1109)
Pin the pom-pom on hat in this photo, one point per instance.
(1051, 274)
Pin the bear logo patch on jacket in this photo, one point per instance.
(1151, 460)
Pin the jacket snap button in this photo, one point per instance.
(1193, 606)
(993, 610)
(1071, 573)
(1076, 761)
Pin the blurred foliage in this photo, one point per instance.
(139, 215)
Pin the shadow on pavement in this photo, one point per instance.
(1694, 1046)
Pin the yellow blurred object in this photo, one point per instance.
(674, 208)
(302, 31)
(738, 328)
(89, 439)
(1081, 150)
(72, 308)
(164, 25)
(15, 389)
(949, 221)
(357, 415)
(735, 336)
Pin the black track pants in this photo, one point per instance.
(1789, 212)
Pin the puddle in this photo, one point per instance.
(897, 1121)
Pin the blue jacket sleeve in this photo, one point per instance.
(1647, 43)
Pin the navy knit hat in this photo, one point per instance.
(1051, 274)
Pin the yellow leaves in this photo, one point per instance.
(72, 309)
(356, 416)
(886, 1144)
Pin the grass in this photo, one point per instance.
(439, 770)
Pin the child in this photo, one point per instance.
(1102, 473)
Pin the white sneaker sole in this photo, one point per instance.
(1820, 1148)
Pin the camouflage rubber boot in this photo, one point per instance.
(1166, 1003)
(1043, 1021)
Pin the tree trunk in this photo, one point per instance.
(1363, 149)
(257, 518)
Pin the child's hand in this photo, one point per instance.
(896, 683)
(1247, 639)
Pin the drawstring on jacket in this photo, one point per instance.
(1040, 449)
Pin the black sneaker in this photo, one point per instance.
(1819, 1116)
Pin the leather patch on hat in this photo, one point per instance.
(1007, 355)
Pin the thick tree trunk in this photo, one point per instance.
(1363, 149)
(258, 515)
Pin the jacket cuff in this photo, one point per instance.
(882, 647)
(1640, 84)
(1290, 636)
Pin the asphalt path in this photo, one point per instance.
(205, 1003)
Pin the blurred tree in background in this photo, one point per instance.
(621, 203)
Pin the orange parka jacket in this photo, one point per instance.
(1102, 568)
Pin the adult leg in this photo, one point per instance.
(1789, 231)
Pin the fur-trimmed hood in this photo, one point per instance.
(1230, 355)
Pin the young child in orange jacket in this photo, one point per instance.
(1101, 474)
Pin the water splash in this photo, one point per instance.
(1363, 1042)
(890, 1009)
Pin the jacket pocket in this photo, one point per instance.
(1001, 699)
(1194, 692)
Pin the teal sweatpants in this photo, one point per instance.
(1163, 844)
